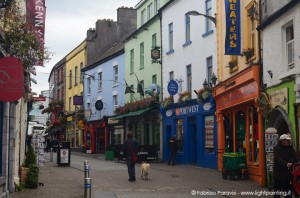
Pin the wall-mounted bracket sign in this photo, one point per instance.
(172, 87)
(99, 105)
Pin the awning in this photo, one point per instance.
(132, 114)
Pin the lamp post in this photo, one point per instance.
(195, 13)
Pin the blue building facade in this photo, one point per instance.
(194, 125)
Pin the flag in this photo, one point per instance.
(128, 89)
(140, 88)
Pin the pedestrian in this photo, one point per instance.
(173, 146)
(130, 152)
(284, 157)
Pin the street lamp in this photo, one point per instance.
(214, 79)
(195, 13)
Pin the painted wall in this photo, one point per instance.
(109, 88)
(194, 53)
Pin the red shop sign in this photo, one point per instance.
(11, 79)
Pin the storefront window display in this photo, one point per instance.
(240, 131)
(88, 140)
(209, 134)
(179, 128)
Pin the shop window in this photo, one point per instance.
(240, 131)
(209, 133)
(179, 128)
(253, 135)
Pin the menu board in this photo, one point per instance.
(38, 144)
(271, 140)
(209, 131)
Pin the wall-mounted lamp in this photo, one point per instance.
(270, 73)
(92, 76)
(214, 79)
(195, 13)
(205, 84)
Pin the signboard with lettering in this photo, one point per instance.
(279, 98)
(11, 79)
(155, 54)
(99, 105)
(233, 35)
(187, 110)
(77, 100)
(209, 131)
(172, 87)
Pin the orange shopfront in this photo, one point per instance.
(240, 127)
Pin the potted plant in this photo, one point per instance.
(203, 95)
(167, 101)
(184, 97)
(248, 53)
(232, 64)
(109, 152)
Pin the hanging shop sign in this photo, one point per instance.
(77, 100)
(155, 54)
(279, 98)
(172, 87)
(11, 79)
(99, 105)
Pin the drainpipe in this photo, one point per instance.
(7, 149)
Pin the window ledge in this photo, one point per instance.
(170, 52)
(286, 75)
(141, 68)
(115, 85)
(187, 43)
(207, 33)
(130, 73)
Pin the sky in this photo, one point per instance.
(67, 22)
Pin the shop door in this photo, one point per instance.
(166, 145)
(100, 140)
(193, 140)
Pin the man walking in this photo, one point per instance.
(130, 149)
(173, 146)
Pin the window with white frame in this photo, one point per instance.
(156, 6)
(116, 75)
(142, 57)
(171, 75)
(208, 6)
(189, 78)
(170, 36)
(150, 11)
(132, 61)
(70, 79)
(76, 75)
(289, 35)
(100, 81)
(209, 69)
(115, 100)
(187, 29)
(89, 89)
(143, 17)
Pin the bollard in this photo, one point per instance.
(86, 162)
(87, 187)
(51, 154)
(86, 171)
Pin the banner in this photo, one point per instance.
(36, 12)
(233, 31)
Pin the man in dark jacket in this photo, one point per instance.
(284, 157)
(130, 145)
(173, 146)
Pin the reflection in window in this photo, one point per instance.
(240, 131)
(179, 128)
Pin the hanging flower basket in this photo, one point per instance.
(232, 64)
(248, 53)
(184, 97)
(203, 95)
(167, 101)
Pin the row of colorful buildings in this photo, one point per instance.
(223, 76)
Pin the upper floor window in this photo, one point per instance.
(81, 75)
(76, 75)
(70, 79)
(89, 88)
(289, 35)
(171, 75)
(153, 40)
(209, 69)
(170, 36)
(208, 6)
(187, 29)
(150, 11)
(142, 55)
(142, 86)
(154, 79)
(189, 78)
(100, 81)
(156, 5)
(132, 61)
(143, 17)
(116, 75)
(115, 101)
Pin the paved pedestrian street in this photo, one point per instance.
(109, 180)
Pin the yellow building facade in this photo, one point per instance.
(240, 123)
(75, 61)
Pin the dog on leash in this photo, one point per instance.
(145, 170)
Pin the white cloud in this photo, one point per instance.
(66, 24)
